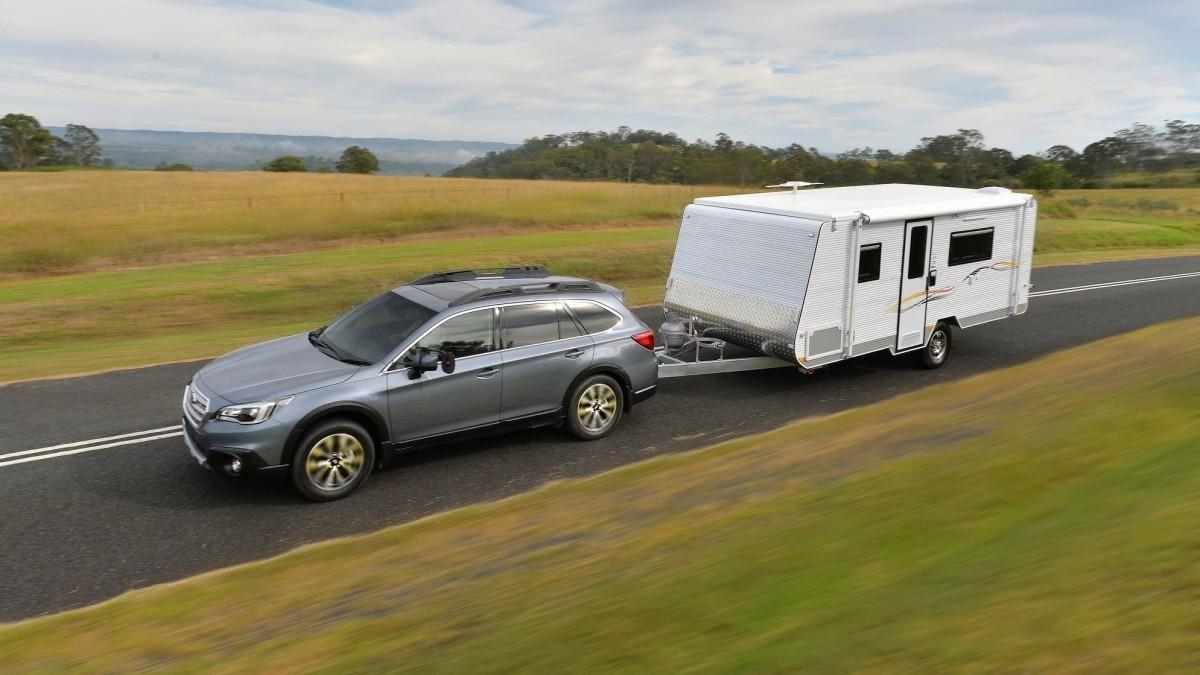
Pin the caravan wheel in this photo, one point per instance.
(938, 348)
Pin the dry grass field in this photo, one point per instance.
(71, 221)
(109, 269)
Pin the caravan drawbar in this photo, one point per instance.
(810, 277)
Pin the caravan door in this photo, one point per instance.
(914, 284)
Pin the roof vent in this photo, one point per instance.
(994, 190)
(794, 184)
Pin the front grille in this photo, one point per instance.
(195, 405)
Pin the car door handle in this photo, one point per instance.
(574, 353)
(487, 373)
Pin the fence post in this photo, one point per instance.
(249, 202)
(342, 196)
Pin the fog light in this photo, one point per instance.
(235, 466)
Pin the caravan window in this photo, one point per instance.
(971, 246)
(917, 239)
(869, 258)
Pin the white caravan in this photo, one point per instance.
(816, 276)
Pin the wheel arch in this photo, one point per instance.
(604, 369)
(366, 416)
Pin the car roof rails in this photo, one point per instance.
(519, 272)
(574, 286)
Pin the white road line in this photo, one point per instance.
(1111, 284)
(91, 442)
(38, 458)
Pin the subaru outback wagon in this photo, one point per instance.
(447, 356)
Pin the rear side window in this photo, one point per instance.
(595, 319)
(869, 257)
(529, 324)
(971, 246)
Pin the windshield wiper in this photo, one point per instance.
(314, 336)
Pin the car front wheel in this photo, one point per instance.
(333, 459)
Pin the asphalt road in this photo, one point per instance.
(80, 528)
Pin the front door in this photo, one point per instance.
(914, 284)
(439, 402)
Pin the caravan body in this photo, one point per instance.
(817, 276)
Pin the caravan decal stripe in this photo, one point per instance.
(926, 296)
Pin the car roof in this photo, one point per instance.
(444, 294)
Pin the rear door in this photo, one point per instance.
(914, 284)
(544, 350)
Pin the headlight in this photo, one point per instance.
(251, 413)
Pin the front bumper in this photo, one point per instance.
(222, 459)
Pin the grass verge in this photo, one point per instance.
(1031, 519)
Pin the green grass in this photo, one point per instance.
(90, 281)
(1037, 519)
(128, 317)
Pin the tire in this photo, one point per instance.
(594, 407)
(333, 459)
(937, 349)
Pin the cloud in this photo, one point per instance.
(834, 75)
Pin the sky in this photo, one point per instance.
(836, 74)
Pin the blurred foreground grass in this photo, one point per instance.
(1036, 519)
(91, 281)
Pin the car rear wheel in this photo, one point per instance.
(938, 348)
(333, 459)
(594, 407)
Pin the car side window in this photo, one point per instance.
(595, 319)
(529, 324)
(464, 335)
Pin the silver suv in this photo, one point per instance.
(449, 355)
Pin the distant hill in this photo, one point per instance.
(141, 149)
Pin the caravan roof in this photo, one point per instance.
(894, 201)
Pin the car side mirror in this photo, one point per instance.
(447, 361)
(421, 363)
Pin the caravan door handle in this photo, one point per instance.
(574, 353)
(933, 277)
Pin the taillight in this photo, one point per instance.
(645, 339)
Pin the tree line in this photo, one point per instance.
(25, 144)
(354, 159)
(957, 159)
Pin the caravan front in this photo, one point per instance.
(816, 276)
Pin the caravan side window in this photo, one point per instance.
(869, 258)
(971, 246)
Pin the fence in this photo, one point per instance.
(430, 196)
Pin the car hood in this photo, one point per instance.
(273, 369)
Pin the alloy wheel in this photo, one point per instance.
(334, 461)
(597, 407)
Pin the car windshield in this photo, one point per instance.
(369, 332)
